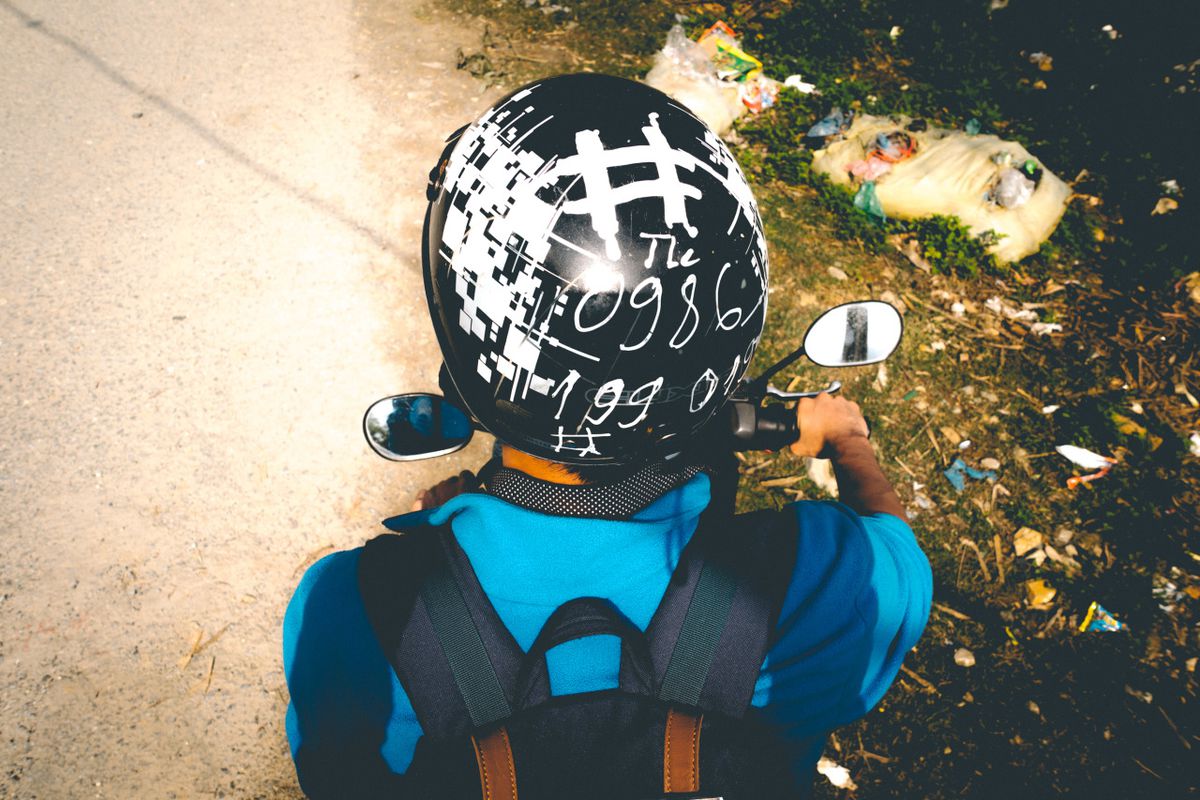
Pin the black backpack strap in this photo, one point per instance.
(714, 625)
(576, 619)
(456, 660)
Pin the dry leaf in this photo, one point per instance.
(1039, 594)
(954, 436)
(1027, 539)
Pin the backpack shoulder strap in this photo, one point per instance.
(456, 660)
(712, 630)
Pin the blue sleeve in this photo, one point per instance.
(351, 728)
(858, 601)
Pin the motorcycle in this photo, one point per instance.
(418, 425)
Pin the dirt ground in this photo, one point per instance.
(209, 267)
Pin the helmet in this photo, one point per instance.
(595, 269)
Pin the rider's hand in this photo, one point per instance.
(826, 423)
(464, 481)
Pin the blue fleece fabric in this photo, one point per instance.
(858, 601)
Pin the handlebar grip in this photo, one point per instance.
(755, 427)
(776, 428)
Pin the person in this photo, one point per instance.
(596, 272)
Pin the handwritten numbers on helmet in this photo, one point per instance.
(594, 263)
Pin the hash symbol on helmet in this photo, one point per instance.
(592, 164)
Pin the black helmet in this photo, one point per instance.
(596, 270)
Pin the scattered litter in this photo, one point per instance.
(958, 472)
(1027, 539)
(831, 125)
(1171, 186)
(867, 201)
(1194, 443)
(1007, 310)
(964, 444)
(1113, 34)
(911, 393)
(1050, 409)
(1039, 594)
(895, 32)
(958, 309)
(820, 472)
(795, 82)
(1098, 619)
(1137, 408)
(1086, 459)
(937, 346)
(989, 463)
(964, 657)
(881, 377)
(1012, 189)
(1165, 205)
(1045, 328)
(972, 127)
(836, 774)
(685, 70)
(1167, 593)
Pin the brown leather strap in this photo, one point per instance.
(681, 752)
(497, 773)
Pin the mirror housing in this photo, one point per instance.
(854, 334)
(410, 427)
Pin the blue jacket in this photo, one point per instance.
(858, 600)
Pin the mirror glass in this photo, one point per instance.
(407, 427)
(854, 334)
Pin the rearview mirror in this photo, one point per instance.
(409, 427)
(853, 334)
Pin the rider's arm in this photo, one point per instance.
(833, 427)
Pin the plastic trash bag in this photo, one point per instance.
(866, 200)
(683, 70)
(951, 173)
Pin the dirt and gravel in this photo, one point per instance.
(209, 267)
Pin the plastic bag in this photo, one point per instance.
(834, 123)
(1012, 190)
(866, 201)
(869, 169)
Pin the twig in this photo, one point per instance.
(999, 559)
(212, 664)
(905, 467)
(924, 683)
(945, 609)
(1171, 722)
(987, 575)
(1152, 772)
(192, 650)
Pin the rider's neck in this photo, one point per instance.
(539, 468)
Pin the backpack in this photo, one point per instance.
(679, 724)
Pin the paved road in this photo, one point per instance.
(209, 265)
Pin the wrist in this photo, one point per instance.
(849, 445)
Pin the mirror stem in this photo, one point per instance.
(757, 388)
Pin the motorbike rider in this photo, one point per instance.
(596, 272)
